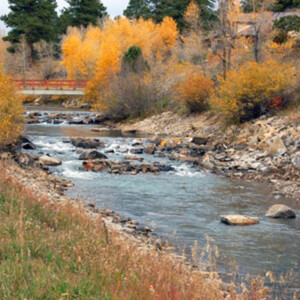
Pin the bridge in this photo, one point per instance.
(51, 87)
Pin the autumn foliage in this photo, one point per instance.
(176, 61)
(96, 54)
(194, 92)
(253, 90)
(10, 110)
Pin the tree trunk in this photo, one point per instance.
(30, 56)
(256, 48)
(224, 61)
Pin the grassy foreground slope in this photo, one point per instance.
(55, 251)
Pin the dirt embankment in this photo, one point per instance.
(264, 150)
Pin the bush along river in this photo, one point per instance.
(180, 201)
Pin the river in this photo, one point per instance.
(183, 205)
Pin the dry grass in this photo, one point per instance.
(56, 251)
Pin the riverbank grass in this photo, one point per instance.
(56, 251)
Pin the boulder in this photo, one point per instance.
(198, 140)
(277, 147)
(92, 154)
(150, 149)
(87, 143)
(280, 211)
(90, 166)
(49, 161)
(239, 220)
(29, 146)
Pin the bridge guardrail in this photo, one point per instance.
(55, 84)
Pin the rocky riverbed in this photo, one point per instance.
(265, 150)
(161, 175)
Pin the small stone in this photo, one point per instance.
(239, 220)
(280, 211)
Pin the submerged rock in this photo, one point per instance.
(92, 154)
(280, 211)
(130, 157)
(239, 220)
(49, 161)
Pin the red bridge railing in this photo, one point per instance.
(51, 84)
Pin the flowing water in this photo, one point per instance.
(184, 204)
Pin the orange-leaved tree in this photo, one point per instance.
(194, 92)
(96, 54)
(10, 110)
(254, 90)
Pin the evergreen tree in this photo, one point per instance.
(282, 5)
(278, 6)
(32, 19)
(138, 8)
(81, 13)
(158, 9)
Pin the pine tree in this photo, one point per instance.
(138, 8)
(277, 6)
(158, 9)
(32, 19)
(282, 5)
(81, 13)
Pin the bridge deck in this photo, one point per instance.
(51, 87)
(41, 92)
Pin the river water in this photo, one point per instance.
(183, 205)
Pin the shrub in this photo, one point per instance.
(194, 92)
(128, 95)
(254, 90)
(10, 111)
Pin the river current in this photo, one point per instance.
(183, 205)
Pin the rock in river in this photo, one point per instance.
(280, 211)
(92, 154)
(239, 220)
(49, 161)
(87, 143)
(29, 146)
